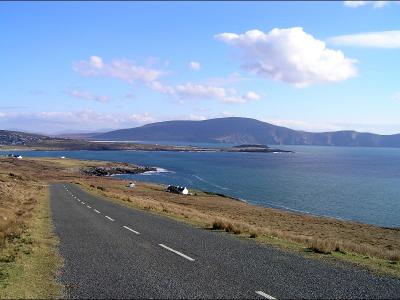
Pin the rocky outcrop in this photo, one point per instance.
(114, 169)
(255, 148)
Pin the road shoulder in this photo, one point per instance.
(29, 259)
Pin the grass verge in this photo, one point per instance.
(335, 249)
(374, 247)
(28, 248)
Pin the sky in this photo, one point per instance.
(96, 66)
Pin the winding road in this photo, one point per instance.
(111, 251)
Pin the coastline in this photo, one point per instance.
(265, 204)
(73, 145)
(375, 247)
(217, 192)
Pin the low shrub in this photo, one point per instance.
(218, 225)
(253, 235)
(229, 227)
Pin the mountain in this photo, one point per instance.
(244, 130)
(26, 141)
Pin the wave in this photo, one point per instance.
(157, 171)
(210, 183)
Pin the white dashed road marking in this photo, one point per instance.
(176, 252)
(130, 229)
(261, 293)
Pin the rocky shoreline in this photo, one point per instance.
(116, 169)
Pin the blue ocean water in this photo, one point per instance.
(359, 184)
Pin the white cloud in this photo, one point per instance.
(380, 39)
(251, 96)
(86, 119)
(290, 55)
(355, 3)
(379, 126)
(192, 90)
(230, 79)
(379, 4)
(141, 118)
(205, 91)
(87, 96)
(89, 120)
(126, 70)
(227, 114)
(96, 62)
(194, 65)
(194, 117)
(122, 69)
(375, 4)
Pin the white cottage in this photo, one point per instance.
(177, 190)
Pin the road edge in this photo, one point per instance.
(34, 272)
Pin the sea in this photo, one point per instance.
(346, 183)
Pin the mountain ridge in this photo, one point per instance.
(237, 130)
(232, 130)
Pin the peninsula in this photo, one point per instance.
(13, 140)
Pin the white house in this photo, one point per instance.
(177, 190)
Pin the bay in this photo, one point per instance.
(350, 183)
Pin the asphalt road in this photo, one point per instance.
(111, 251)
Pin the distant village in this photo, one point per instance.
(19, 138)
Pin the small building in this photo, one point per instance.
(177, 190)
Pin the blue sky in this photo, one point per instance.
(87, 66)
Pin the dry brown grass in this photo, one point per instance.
(22, 184)
(319, 234)
(16, 207)
(27, 251)
(322, 235)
